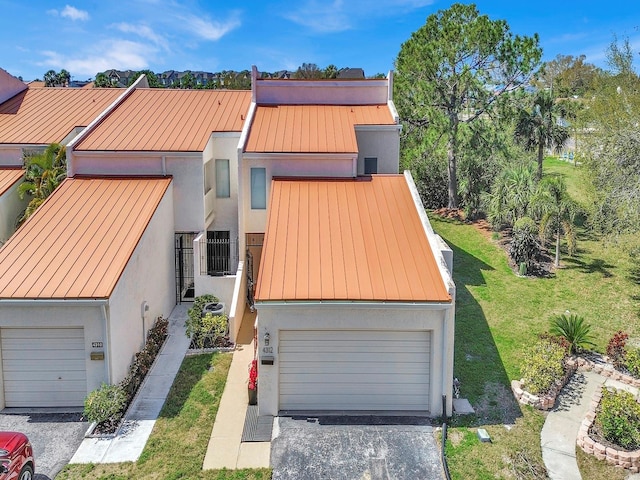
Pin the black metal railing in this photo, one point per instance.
(218, 254)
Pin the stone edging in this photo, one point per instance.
(618, 458)
(606, 370)
(547, 401)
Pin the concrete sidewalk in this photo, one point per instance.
(132, 437)
(225, 449)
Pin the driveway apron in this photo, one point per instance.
(348, 448)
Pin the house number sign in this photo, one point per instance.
(267, 349)
(96, 345)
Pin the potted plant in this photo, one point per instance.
(253, 382)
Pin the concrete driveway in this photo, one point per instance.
(355, 448)
(55, 437)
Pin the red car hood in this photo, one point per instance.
(11, 440)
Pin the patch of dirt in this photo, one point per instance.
(451, 213)
(455, 437)
(497, 405)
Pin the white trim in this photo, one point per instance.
(244, 134)
(394, 112)
(354, 304)
(233, 134)
(142, 153)
(378, 128)
(50, 302)
(300, 156)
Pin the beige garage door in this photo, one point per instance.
(43, 367)
(354, 370)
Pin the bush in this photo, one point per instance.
(573, 330)
(194, 322)
(618, 419)
(543, 365)
(632, 361)
(524, 248)
(212, 327)
(616, 348)
(107, 402)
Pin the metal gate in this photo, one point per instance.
(185, 287)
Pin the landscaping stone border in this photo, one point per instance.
(619, 458)
(547, 401)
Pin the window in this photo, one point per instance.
(258, 188)
(222, 178)
(370, 165)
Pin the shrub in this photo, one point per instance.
(524, 248)
(194, 322)
(543, 365)
(212, 327)
(616, 348)
(574, 330)
(107, 402)
(618, 419)
(632, 361)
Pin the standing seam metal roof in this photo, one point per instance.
(47, 115)
(168, 120)
(9, 177)
(358, 240)
(312, 128)
(80, 239)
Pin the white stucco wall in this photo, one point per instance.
(273, 318)
(287, 166)
(60, 315)
(149, 276)
(188, 193)
(10, 207)
(10, 156)
(382, 143)
(336, 92)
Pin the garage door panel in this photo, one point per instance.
(43, 367)
(354, 370)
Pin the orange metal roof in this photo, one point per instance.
(47, 115)
(312, 128)
(8, 177)
(169, 120)
(347, 239)
(79, 241)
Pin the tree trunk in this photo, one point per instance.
(452, 170)
(540, 157)
(557, 262)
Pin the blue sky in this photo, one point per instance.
(86, 37)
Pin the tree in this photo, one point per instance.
(330, 72)
(63, 78)
(539, 127)
(43, 173)
(454, 68)
(567, 76)
(102, 81)
(559, 214)
(512, 195)
(152, 78)
(308, 71)
(50, 78)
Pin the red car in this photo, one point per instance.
(16, 457)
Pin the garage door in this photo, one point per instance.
(43, 367)
(354, 370)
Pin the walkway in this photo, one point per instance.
(225, 449)
(560, 430)
(145, 408)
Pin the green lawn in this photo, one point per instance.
(498, 314)
(178, 442)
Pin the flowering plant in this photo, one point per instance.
(253, 375)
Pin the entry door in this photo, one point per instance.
(354, 370)
(43, 367)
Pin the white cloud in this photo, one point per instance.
(73, 13)
(208, 29)
(321, 17)
(143, 31)
(120, 54)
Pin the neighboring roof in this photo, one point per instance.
(36, 84)
(357, 240)
(9, 177)
(312, 128)
(47, 115)
(79, 241)
(168, 120)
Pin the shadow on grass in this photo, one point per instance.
(477, 362)
(594, 265)
(191, 372)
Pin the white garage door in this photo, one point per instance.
(354, 370)
(43, 367)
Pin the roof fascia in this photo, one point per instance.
(428, 230)
(51, 302)
(299, 156)
(140, 82)
(378, 128)
(355, 304)
(145, 153)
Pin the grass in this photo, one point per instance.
(178, 442)
(498, 314)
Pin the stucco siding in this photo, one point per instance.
(148, 277)
(383, 144)
(274, 318)
(10, 156)
(10, 207)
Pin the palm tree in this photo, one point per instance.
(559, 213)
(43, 173)
(538, 128)
(512, 194)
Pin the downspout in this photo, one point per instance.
(164, 165)
(107, 336)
